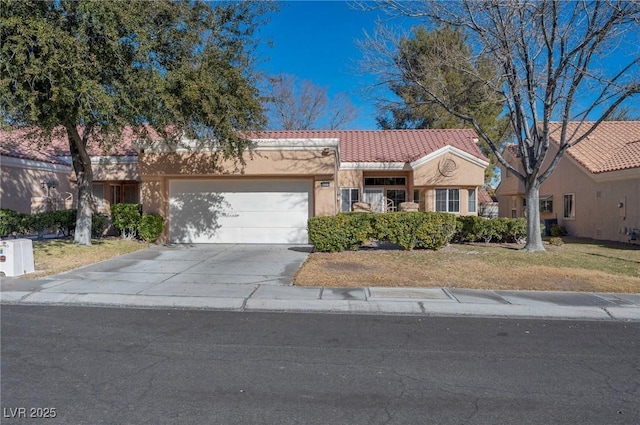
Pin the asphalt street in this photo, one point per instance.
(131, 366)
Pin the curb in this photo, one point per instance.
(395, 306)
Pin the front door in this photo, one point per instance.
(375, 198)
(394, 198)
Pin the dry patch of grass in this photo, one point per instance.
(57, 256)
(574, 266)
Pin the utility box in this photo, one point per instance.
(16, 257)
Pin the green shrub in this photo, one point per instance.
(150, 227)
(125, 218)
(436, 230)
(99, 224)
(479, 229)
(411, 230)
(65, 221)
(342, 232)
(558, 231)
(40, 223)
(468, 228)
(349, 231)
(516, 229)
(11, 222)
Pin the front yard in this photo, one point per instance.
(59, 255)
(578, 265)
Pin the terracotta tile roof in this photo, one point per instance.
(387, 145)
(614, 145)
(21, 143)
(18, 144)
(355, 145)
(484, 197)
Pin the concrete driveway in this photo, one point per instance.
(159, 268)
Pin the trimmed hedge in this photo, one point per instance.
(342, 232)
(11, 222)
(409, 230)
(99, 224)
(150, 227)
(430, 230)
(63, 222)
(349, 231)
(480, 229)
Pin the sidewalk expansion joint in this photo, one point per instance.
(609, 314)
(450, 295)
(244, 303)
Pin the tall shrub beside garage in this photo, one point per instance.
(150, 227)
(126, 218)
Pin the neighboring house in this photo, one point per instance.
(36, 178)
(595, 190)
(488, 204)
(291, 176)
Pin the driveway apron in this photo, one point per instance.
(187, 270)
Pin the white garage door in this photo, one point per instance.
(239, 211)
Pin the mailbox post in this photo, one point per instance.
(16, 257)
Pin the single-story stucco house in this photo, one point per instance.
(288, 177)
(595, 190)
(39, 177)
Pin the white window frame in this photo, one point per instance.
(472, 200)
(351, 200)
(569, 215)
(448, 200)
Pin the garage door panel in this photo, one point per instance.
(239, 211)
(260, 219)
(259, 235)
(256, 201)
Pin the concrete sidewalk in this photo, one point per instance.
(269, 297)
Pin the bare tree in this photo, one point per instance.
(552, 56)
(295, 104)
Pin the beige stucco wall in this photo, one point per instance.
(21, 185)
(510, 191)
(261, 163)
(324, 198)
(114, 170)
(156, 170)
(350, 178)
(597, 196)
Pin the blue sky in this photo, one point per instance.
(316, 41)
